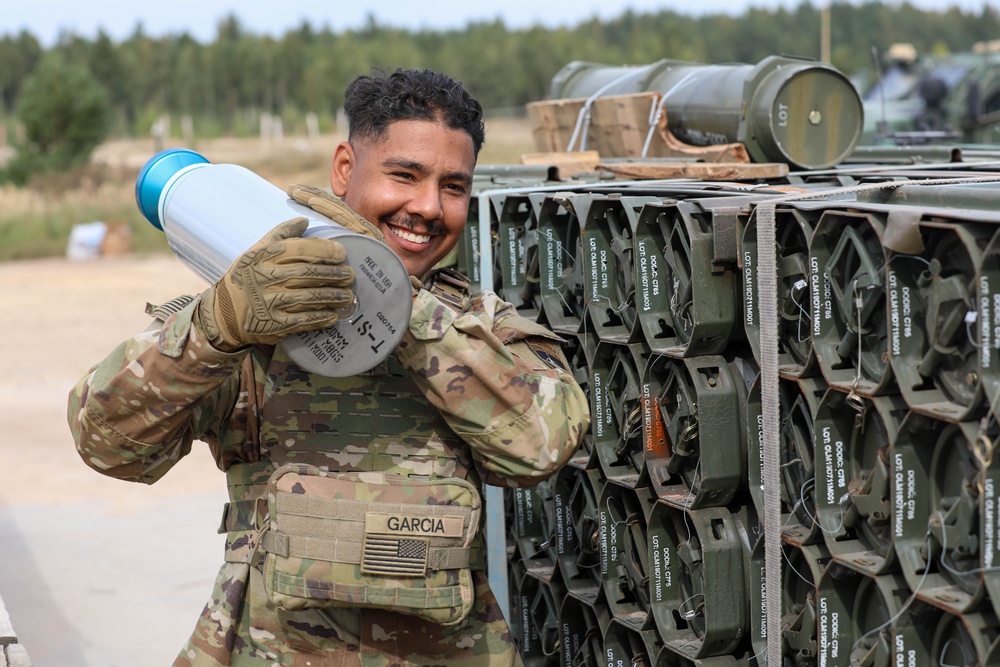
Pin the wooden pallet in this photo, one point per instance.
(618, 126)
(702, 171)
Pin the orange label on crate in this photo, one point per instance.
(653, 428)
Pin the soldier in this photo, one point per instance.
(473, 394)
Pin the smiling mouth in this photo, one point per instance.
(410, 236)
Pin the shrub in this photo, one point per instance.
(65, 114)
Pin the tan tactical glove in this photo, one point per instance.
(332, 207)
(282, 285)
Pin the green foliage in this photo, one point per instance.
(45, 234)
(18, 56)
(307, 68)
(65, 115)
(36, 221)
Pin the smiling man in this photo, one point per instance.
(353, 527)
(407, 167)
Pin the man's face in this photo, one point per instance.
(414, 183)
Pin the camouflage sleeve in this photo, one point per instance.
(136, 413)
(501, 383)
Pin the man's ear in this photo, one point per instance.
(342, 167)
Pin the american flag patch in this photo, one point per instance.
(392, 556)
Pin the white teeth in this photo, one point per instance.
(410, 236)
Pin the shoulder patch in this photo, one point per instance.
(548, 352)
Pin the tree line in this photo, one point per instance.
(225, 85)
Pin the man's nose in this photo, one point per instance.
(426, 202)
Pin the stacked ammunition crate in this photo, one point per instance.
(648, 548)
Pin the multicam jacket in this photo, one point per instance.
(499, 406)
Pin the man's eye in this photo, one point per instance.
(455, 187)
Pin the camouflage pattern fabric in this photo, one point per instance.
(512, 418)
(239, 626)
(370, 539)
(478, 368)
(376, 421)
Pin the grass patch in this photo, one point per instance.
(36, 221)
(507, 139)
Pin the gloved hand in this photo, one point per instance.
(282, 285)
(335, 209)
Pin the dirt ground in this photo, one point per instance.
(80, 554)
(60, 317)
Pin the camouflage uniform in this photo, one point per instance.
(506, 413)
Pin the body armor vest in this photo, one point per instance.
(378, 421)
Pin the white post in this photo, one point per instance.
(187, 128)
(312, 125)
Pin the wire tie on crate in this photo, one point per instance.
(970, 319)
(690, 432)
(615, 522)
(803, 313)
(692, 611)
(902, 609)
(858, 306)
(982, 449)
(854, 401)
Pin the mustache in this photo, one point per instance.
(411, 222)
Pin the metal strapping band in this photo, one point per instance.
(767, 293)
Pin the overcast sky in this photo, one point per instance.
(46, 18)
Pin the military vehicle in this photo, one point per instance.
(935, 98)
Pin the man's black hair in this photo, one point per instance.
(374, 102)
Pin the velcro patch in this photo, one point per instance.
(414, 524)
(394, 556)
(547, 352)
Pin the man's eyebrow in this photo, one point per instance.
(412, 165)
(459, 176)
(403, 163)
